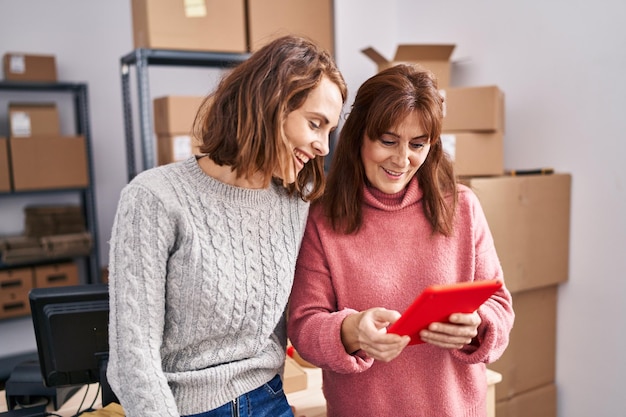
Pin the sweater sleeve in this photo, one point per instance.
(314, 324)
(496, 313)
(141, 238)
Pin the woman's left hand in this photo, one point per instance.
(459, 332)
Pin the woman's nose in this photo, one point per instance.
(321, 147)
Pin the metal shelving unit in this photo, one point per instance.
(143, 58)
(79, 92)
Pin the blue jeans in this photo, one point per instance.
(268, 400)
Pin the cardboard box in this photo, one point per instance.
(29, 67)
(56, 275)
(14, 287)
(476, 109)
(540, 402)
(175, 114)
(529, 218)
(49, 162)
(269, 19)
(201, 25)
(28, 120)
(294, 377)
(530, 359)
(435, 58)
(5, 179)
(475, 153)
(174, 148)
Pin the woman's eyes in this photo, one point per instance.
(314, 125)
(389, 142)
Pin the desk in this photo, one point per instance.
(309, 402)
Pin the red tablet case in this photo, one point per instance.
(437, 302)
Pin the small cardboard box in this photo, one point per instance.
(476, 109)
(33, 119)
(294, 378)
(56, 275)
(433, 57)
(174, 148)
(539, 402)
(268, 19)
(49, 162)
(529, 218)
(175, 114)
(29, 67)
(475, 153)
(5, 179)
(530, 359)
(14, 287)
(217, 25)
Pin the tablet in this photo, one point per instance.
(437, 302)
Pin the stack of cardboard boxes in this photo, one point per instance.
(173, 124)
(529, 218)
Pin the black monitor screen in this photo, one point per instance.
(71, 330)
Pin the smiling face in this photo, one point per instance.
(308, 128)
(391, 160)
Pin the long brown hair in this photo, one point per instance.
(241, 123)
(381, 102)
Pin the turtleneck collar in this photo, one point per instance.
(375, 198)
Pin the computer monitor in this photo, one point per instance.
(71, 331)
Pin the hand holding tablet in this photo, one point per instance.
(437, 302)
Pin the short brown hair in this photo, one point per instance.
(241, 123)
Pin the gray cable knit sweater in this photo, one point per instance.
(200, 274)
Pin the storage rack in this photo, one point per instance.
(142, 58)
(81, 116)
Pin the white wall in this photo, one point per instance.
(560, 64)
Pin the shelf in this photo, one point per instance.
(79, 93)
(143, 58)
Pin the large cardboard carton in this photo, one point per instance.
(5, 178)
(174, 148)
(175, 114)
(49, 162)
(478, 109)
(530, 359)
(435, 58)
(295, 378)
(15, 285)
(475, 153)
(29, 67)
(529, 218)
(269, 19)
(539, 402)
(202, 25)
(33, 119)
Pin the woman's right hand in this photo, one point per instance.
(367, 331)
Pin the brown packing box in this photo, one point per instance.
(216, 25)
(474, 109)
(14, 287)
(56, 275)
(5, 179)
(295, 378)
(33, 119)
(49, 162)
(530, 359)
(529, 218)
(268, 19)
(475, 153)
(174, 148)
(175, 114)
(433, 57)
(539, 402)
(29, 67)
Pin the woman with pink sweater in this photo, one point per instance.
(393, 221)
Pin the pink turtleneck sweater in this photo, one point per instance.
(386, 264)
